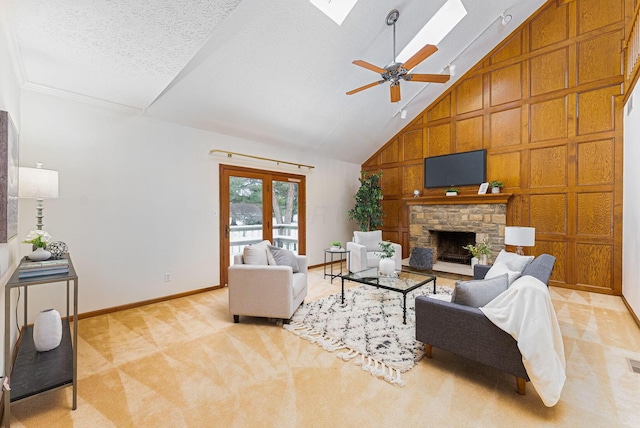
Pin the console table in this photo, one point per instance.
(37, 372)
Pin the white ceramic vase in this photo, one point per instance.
(474, 261)
(47, 330)
(387, 266)
(495, 190)
(39, 254)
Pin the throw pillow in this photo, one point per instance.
(371, 240)
(256, 254)
(514, 261)
(478, 293)
(284, 257)
(499, 269)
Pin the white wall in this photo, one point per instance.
(631, 205)
(10, 102)
(139, 197)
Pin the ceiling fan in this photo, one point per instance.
(396, 71)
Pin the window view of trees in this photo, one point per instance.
(246, 201)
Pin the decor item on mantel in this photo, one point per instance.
(38, 239)
(451, 191)
(520, 237)
(367, 211)
(387, 263)
(495, 186)
(479, 252)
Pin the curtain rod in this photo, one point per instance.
(231, 154)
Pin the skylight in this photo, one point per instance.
(441, 24)
(335, 9)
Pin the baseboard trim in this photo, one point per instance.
(144, 302)
(633, 314)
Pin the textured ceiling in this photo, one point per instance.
(270, 71)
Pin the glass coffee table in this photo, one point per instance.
(401, 282)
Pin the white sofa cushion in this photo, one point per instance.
(514, 261)
(371, 239)
(499, 268)
(256, 254)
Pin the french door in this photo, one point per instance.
(256, 205)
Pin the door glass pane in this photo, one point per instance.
(285, 215)
(245, 210)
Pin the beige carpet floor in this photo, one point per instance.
(184, 363)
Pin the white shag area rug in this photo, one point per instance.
(368, 328)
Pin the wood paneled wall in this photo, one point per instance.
(547, 106)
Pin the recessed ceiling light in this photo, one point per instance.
(335, 9)
(441, 24)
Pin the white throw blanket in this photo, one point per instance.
(526, 313)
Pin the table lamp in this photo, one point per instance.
(520, 237)
(39, 184)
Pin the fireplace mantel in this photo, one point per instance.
(489, 198)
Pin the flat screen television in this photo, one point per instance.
(458, 169)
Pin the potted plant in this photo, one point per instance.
(335, 245)
(367, 211)
(451, 191)
(495, 186)
(387, 264)
(480, 251)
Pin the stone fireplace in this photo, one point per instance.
(460, 220)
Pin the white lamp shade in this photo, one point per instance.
(520, 236)
(38, 183)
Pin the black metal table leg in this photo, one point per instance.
(404, 308)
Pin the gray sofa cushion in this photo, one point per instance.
(284, 257)
(541, 268)
(478, 293)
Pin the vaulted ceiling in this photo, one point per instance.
(270, 71)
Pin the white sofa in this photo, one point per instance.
(365, 251)
(266, 290)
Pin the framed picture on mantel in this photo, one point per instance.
(483, 189)
(8, 178)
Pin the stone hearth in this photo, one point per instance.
(486, 219)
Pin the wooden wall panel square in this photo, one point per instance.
(392, 236)
(548, 120)
(441, 110)
(597, 110)
(512, 49)
(599, 57)
(548, 166)
(549, 27)
(469, 95)
(412, 145)
(549, 72)
(391, 207)
(412, 178)
(506, 128)
(438, 140)
(506, 84)
(595, 214)
(559, 251)
(504, 167)
(594, 14)
(391, 181)
(391, 153)
(469, 134)
(596, 162)
(594, 265)
(548, 213)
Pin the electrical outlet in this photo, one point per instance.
(167, 277)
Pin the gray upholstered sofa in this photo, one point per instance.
(465, 331)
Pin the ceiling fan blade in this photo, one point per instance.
(436, 78)
(419, 56)
(368, 66)
(362, 88)
(395, 93)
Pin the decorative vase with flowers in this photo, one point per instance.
(39, 240)
(479, 252)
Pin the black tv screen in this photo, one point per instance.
(458, 169)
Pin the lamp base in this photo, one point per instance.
(519, 251)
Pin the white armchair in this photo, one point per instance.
(365, 251)
(266, 290)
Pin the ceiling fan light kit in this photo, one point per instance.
(397, 71)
